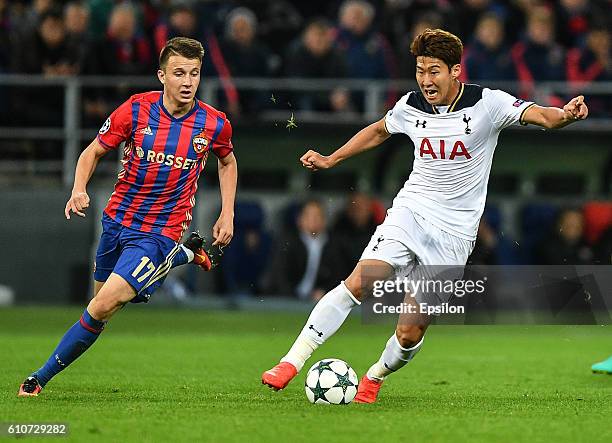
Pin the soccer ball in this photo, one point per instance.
(331, 381)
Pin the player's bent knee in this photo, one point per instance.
(366, 273)
(352, 285)
(409, 335)
(108, 300)
(102, 308)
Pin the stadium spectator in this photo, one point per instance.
(181, 22)
(33, 15)
(537, 55)
(298, 253)
(246, 56)
(280, 22)
(123, 51)
(486, 57)
(367, 51)
(573, 21)
(399, 18)
(406, 61)
(467, 16)
(243, 263)
(76, 21)
(349, 235)
(566, 244)
(591, 62)
(314, 56)
(47, 51)
(100, 14)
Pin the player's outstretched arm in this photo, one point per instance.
(368, 138)
(88, 160)
(223, 230)
(555, 118)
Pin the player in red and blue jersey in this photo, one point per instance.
(167, 139)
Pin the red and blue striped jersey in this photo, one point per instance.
(162, 160)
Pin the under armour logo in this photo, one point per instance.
(381, 238)
(466, 120)
(418, 122)
(320, 334)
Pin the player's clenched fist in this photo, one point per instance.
(78, 202)
(313, 160)
(576, 109)
(223, 230)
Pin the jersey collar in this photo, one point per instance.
(193, 109)
(451, 107)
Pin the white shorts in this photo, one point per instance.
(406, 240)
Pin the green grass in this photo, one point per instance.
(174, 375)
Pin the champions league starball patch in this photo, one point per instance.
(200, 142)
(518, 103)
(105, 127)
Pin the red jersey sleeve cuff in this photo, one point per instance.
(224, 152)
(104, 145)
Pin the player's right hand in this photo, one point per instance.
(78, 202)
(313, 160)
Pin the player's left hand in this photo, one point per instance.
(223, 230)
(79, 201)
(576, 109)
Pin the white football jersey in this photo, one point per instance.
(453, 152)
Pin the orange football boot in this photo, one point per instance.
(368, 390)
(279, 376)
(201, 257)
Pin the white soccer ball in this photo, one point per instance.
(331, 381)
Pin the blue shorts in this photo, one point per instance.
(143, 259)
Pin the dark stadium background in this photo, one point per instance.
(65, 65)
(291, 76)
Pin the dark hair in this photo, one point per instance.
(320, 23)
(183, 46)
(181, 7)
(440, 44)
(53, 14)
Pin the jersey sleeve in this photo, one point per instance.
(505, 109)
(222, 146)
(395, 118)
(117, 127)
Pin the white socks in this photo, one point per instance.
(393, 358)
(325, 319)
(189, 253)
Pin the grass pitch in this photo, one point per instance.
(179, 375)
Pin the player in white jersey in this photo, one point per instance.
(434, 218)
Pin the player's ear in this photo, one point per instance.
(161, 76)
(456, 71)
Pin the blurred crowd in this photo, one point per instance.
(313, 249)
(519, 40)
